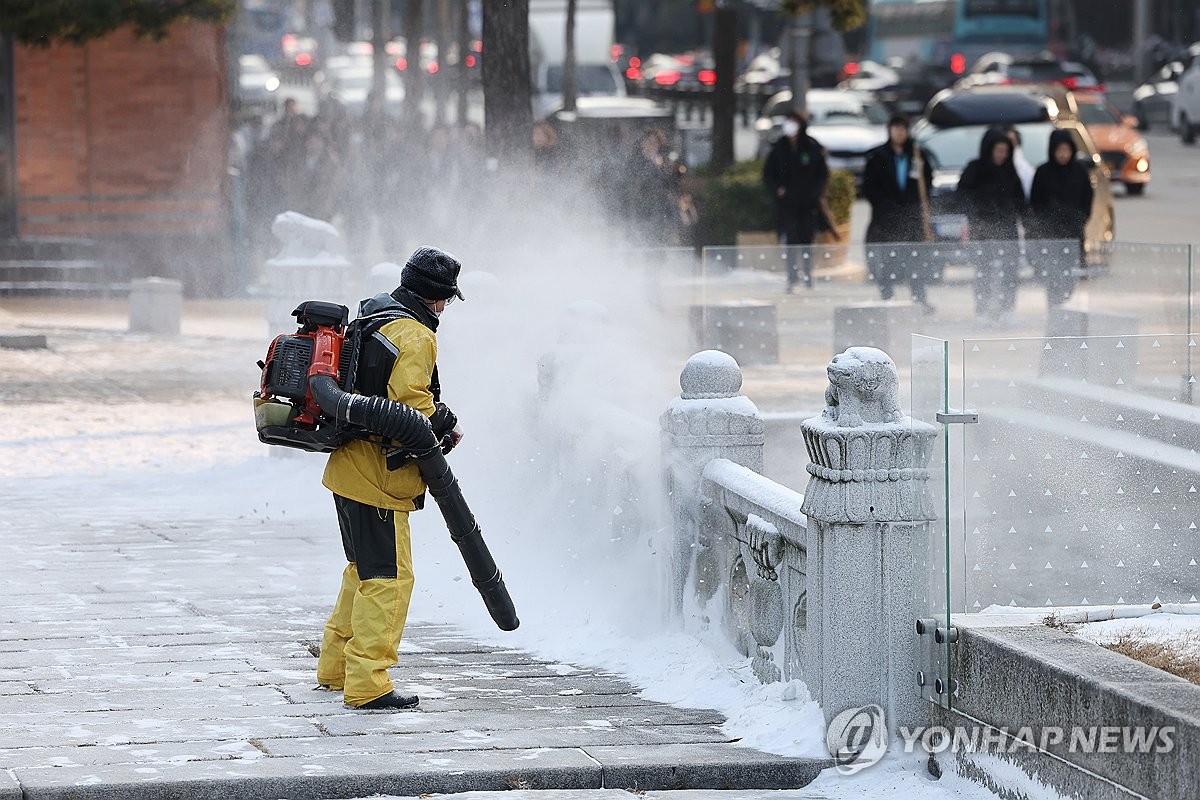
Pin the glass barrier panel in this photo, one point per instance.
(1132, 288)
(784, 311)
(931, 543)
(1080, 479)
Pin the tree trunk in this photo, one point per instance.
(379, 55)
(802, 47)
(414, 84)
(507, 101)
(464, 52)
(440, 86)
(724, 100)
(570, 86)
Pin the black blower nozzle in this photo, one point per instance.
(411, 429)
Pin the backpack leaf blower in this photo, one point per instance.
(306, 401)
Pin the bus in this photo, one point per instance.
(954, 33)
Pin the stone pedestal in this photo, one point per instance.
(155, 305)
(746, 330)
(309, 266)
(866, 501)
(886, 325)
(710, 419)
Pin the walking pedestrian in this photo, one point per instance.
(796, 174)
(990, 190)
(896, 182)
(1060, 204)
(373, 502)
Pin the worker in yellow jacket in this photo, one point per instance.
(398, 360)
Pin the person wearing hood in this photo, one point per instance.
(892, 184)
(1060, 203)
(373, 497)
(990, 191)
(796, 174)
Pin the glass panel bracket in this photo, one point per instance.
(955, 417)
(933, 674)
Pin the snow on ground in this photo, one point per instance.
(559, 464)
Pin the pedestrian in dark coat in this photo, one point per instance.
(991, 193)
(1060, 203)
(892, 182)
(796, 174)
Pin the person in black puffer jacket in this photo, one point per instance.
(991, 194)
(1060, 203)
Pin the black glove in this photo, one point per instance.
(443, 419)
(451, 439)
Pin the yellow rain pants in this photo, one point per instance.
(363, 633)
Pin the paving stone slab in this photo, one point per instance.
(482, 671)
(9, 788)
(471, 739)
(313, 778)
(585, 684)
(157, 753)
(155, 729)
(702, 766)
(451, 721)
(20, 710)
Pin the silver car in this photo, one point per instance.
(847, 124)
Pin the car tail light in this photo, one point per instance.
(668, 77)
(1070, 82)
(402, 63)
(432, 69)
(471, 61)
(707, 76)
(633, 74)
(615, 51)
(635, 62)
(851, 68)
(958, 63)
(303, 59)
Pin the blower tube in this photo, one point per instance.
(411, 429)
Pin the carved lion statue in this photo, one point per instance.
(863, 387)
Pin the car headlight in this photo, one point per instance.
(272, 83)
(1142, 165)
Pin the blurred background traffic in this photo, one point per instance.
(176, 141)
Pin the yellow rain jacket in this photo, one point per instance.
(357, 470)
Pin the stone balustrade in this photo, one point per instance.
(820, 586)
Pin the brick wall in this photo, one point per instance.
(123, 136)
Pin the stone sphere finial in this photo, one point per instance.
(710, 374)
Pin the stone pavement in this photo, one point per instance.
(157, 640)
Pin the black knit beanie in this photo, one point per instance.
(431, 274)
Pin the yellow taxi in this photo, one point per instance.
(1123, 149)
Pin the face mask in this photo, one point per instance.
(791, 128)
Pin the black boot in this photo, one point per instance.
(390, 702)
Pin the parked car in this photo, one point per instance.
(591, 80)
(953, 126)
(258, 85)
(1185, 108)
(1004, 69)
(350, 85)
(902, 86)
(847, 124)
(1152, 101)
(1124, 150)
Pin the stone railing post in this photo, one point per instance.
(867, 500)
(710, 419)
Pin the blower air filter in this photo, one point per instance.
(287, 367)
